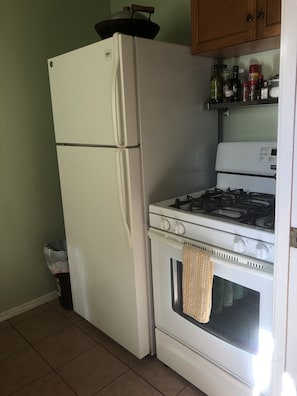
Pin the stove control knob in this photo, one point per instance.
(262, 251)
(179, 228)
(165, 224)
(239, 244)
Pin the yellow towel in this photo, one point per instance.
(197, 283)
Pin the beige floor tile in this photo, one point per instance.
(4, 324)
(160, 376)
(29, 314)
(42, 325)
(92, 371)
(69, 314)
(191, 391)
(48, 385)
(129, 384)
(91, 330)
(120, 352)
(10, 342)
(20, 369)
(65, 345)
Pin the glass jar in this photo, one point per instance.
(274, 87)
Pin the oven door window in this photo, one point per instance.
(235, 310)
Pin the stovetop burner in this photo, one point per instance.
(237, 205)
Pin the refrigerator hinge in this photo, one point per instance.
(293, 237)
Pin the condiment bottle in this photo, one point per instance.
(259, 86)
(225, 73)
(216, 86)
(254, 71)
(264, 90)
(236, 85)
(245, 91)
(242, 75)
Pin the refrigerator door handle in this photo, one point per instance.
(117, 114)
(123, 176)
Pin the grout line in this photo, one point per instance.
(29, 344)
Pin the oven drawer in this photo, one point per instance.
(198, 370)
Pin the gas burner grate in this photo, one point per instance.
(235, 205)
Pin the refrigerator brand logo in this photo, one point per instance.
(108, 54)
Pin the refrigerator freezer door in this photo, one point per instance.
(93, 94)
(103, 214)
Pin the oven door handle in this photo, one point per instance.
(219, 255)
(172, 240)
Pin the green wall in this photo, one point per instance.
(173, 17)
(30, 203)
(253, 123)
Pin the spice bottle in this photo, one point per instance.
(259, 86)
(236, 85)
(216, 86)
(264, 90)
(245, 91)
(243, 77)
(225, 73)
(254, 71)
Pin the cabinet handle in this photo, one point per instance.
(260, 15)
(249, 18)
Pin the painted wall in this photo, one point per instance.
(253, 123)
(30, 203)
(173, 17)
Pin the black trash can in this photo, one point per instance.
(56, 258)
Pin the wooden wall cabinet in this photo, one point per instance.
(232, 28)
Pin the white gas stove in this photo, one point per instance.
(234, 222)
(238, 213)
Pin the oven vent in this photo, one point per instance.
(225, 256)
(236, 258)
(257, 265)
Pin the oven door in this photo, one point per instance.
(238, 335)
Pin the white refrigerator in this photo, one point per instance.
(130, 129)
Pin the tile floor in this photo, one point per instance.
(49, 351)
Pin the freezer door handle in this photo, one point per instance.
(116, 100)
(123, 176)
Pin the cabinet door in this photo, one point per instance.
(217, 24)
(268, 18)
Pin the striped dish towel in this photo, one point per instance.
(197, 283)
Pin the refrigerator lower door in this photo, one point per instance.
(103, 212)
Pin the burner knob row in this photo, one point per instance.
(239, 245)
(262, 251)
(178, 227)
(165, 224)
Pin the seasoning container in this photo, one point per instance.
(254, 72)
(243, 77)
(245, 91)
(274, 87)
(216, 86)
(260, 86)
(236, 85)
(225, 74)
(264, 90)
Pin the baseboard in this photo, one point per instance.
(27, 306)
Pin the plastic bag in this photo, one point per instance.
(56, 257)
